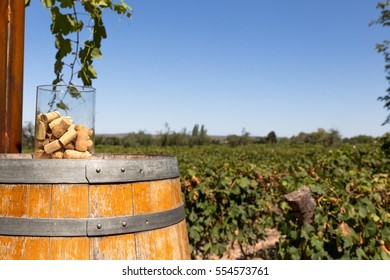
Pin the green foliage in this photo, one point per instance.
(385, 144)
(384, 20)
(360, 139)
(233, 194)
(271, 137)
(352, 218)
(70, 18)
(235, 140)
(319, 137)
(28, 136)
(164, 138)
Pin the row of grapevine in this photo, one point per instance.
(236, 194)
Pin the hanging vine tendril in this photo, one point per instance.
(71, 19)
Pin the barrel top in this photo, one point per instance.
(101, 169)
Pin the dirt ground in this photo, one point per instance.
(234, 252)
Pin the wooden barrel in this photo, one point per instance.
(109, 207)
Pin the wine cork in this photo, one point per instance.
(50, 137)
(82, 141)
(72, 126)
(41, 154)
(60, 128)
(69, 146)
(41, 130)
(72, 154)
(81, 146)
(58, 154)
(79, 127)
(50, 116)
(39, 144)
(52, 147)
(69, 136)
(89, 144)
(58, 137)
(55, 122)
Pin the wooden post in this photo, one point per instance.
(11, 74)
(302, 204)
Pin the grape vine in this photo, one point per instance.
(70, 19)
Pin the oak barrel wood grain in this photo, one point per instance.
(87, 202)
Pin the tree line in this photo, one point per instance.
(198, 136)
(167, 137)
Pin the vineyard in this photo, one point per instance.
(234, 196)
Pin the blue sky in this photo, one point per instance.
(253, 65)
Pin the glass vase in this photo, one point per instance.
(64, 122)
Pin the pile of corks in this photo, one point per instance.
(57, 137)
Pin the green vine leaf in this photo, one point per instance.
(63, 45)
(123, 8)
(102, 3)
(91, 72)
(48, 3)
(83, 75)
(66, 3)
(62, 105)
(74, 92)
(96, 53)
